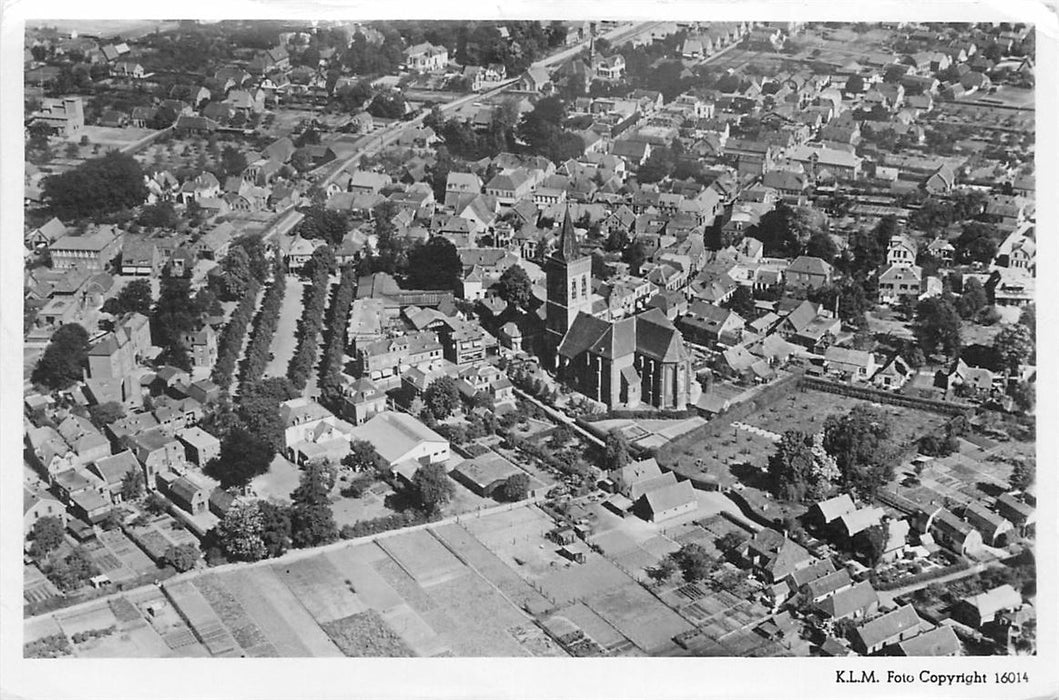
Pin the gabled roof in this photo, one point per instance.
(835, 507)
(991, 602)
(941, 641)
(885, 628)
(845, 603)
(669, 497)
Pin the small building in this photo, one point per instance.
(200, 447)
(940, 641)
(185, 493)
(485, 473)
(400, 438)
(114, 469)
(855, 602)
(667, 502)
(978, 610)
(808, 272)
(893, 627)
(37, 504)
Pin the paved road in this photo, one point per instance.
(373, 143)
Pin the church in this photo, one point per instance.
(634, 362)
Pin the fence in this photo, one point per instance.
(887, 397)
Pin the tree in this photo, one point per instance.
(694, 562)
(663, 571)
(388, 105)
(1024, 394)
(1013, 345)
(96, 187)
(442, 397)
(937, 326)
(316, 483)
(854, 84)
(301, 161)
(158, 215)
(616, 450)
(1028, 318)
(848, 296)
(863, 447)
(243, 456)
(103, 414)
(182, 557)
(515, 487)
(240, 532)
(275, 527)
(132, 485)
(515, 287)
(822, 245)
(134, 297)
(71, 572)
(435, 264)
(361, 457)
(432, 487)
(742, 302)
(634, 256)
(972, 300)
(312, 525)
(233, 161)
(789, 467)
(1023, 474)
(977, 242)
(46, 534)
(60, 365)
(730, 542)
(870, 543)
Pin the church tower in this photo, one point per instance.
(568, 278)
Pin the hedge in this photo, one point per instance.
(394, 521)
(921, 577)
(264, 327)
(301, 364)
(231, 341)
(335, 345)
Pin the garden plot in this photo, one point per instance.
(320, 588)
(130, 555)
(356, 565)
(424, 557)
(638, 615)
(203, 620)
(483, 617)
(36, 588)
(248, 635)
(141, 642)
(417, 599)
(515, 537)
(578, 581)
(602, 632)
(94, 618)
(492, 568)
(365, 634)
(279, 613)
(415, 632)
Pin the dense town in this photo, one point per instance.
(529, 339)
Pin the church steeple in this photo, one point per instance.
(568, 246)
(568, 281)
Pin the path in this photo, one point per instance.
(561, 417)
(312, 386)
(887, 597)
(285, 338)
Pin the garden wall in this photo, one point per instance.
(887, 397)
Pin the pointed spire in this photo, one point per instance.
(568, 247)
